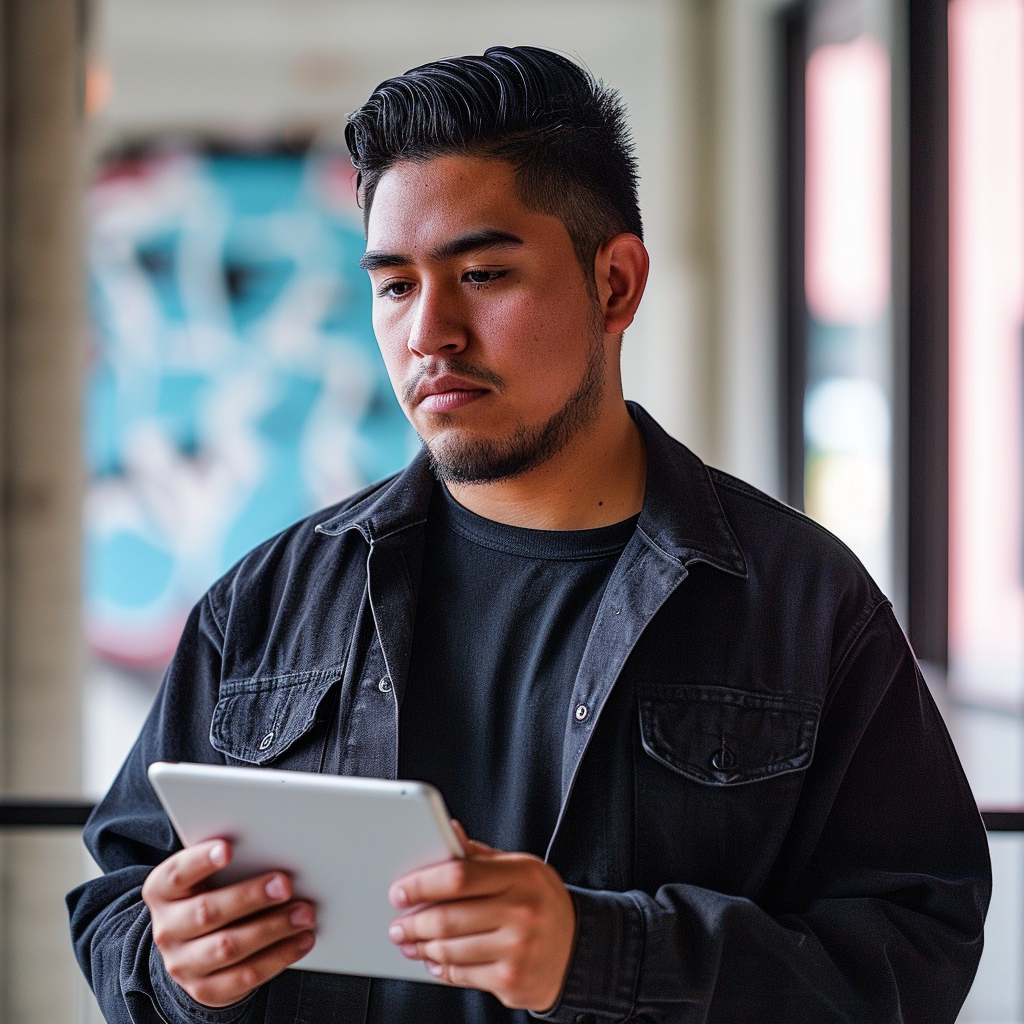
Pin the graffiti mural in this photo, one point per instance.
(235, 384)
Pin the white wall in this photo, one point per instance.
(747, 413)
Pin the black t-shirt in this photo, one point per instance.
(502, 619)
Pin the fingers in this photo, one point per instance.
(234, 983)
(447, 920)
(486, 976)
(221, 944)
(228, 947)
(206, 911)
(504, 924)
(449, 880)
(467, 951)
(496, 964)
(179, 874)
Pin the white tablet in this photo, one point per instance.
(342, 840)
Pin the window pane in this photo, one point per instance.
(847, 407)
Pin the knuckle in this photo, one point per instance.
(540, 873)
(537, 876)
(205, 915)
(248, 978)
(507, 975)
(201, 992)
(522, 915)
(458, 874)
(442, 920)
(225, 948)
(161, 934)
(174, 970)
(534, 919)
(519, 943)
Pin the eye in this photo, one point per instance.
(482, 277)
(394, 289)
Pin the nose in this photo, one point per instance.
(436, 324)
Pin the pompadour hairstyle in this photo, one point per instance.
(563, 132)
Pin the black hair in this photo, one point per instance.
(563, 132)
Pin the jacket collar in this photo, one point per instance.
(681, 516)
(397, 504)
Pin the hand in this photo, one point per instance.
(221, 944)
(501, 922)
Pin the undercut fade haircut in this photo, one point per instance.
(563, 132)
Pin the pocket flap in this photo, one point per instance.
(724, 737)
(258, 719)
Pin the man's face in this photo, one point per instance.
(493, 342)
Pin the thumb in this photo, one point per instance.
(471, 847)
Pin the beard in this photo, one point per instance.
(462, 460)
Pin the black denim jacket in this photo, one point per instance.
(763, 818)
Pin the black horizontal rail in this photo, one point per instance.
(1003, 820)
(74, 813)
(44, 813)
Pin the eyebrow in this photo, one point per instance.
(475, 241)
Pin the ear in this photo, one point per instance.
(621, 266)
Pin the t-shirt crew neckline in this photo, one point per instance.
(556, 545)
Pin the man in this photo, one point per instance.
(684, 709)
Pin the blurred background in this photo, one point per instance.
(833, 192)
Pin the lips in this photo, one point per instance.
(447, 392)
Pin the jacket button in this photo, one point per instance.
(384, 685)
(581, 712)
(266, 741)
(723, 759)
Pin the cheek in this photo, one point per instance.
(384, 324)
(391, 340)
(539, 340)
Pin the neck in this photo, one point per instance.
(598, 479)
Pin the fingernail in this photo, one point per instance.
(219, 854)
(435, 969)
(396, 933)
(302, 916)
(306, 940)
(276, 889)
(399, 897)
(409, 950)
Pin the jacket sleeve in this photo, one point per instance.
(129, 833)
(882, 887)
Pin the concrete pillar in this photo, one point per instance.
(41, 357)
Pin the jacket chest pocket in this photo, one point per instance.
(719, 736)
(719, 772)
(261, 719)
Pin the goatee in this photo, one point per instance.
(471, 461)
